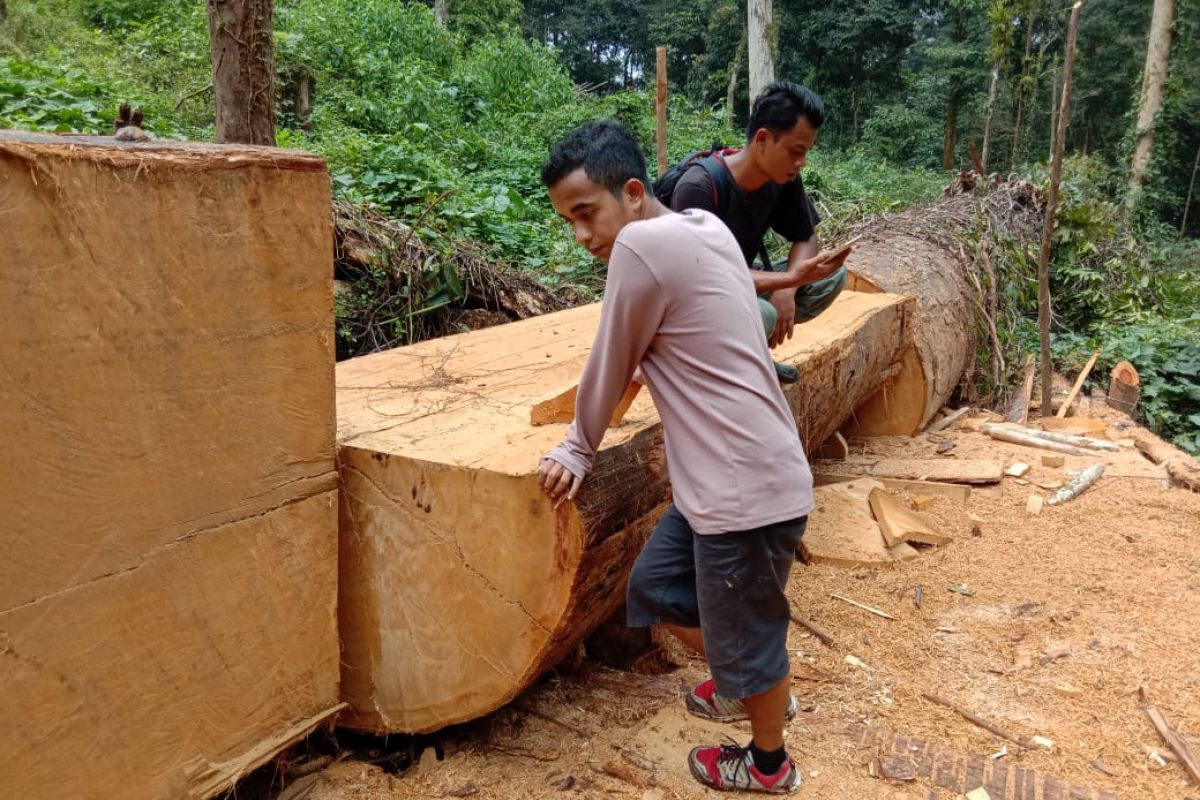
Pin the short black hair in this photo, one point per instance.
(780, 107)
(605, 149)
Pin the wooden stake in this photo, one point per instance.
(1062, 411)
(1052, 212)
(863, 606)
(660, 106)
(825, 638)
(977, 720)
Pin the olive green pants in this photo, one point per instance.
(811, 299)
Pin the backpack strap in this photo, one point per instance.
(722, 184)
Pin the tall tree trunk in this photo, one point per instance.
(760, 32)
(1053, 109)
(951, 139)
(1024, 93)
(3, 9)
(734, 71)
(991, 106)
(441, 12)
(1158, 54)
(1191, 187)
(241, 33)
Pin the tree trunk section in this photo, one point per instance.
(1021, 92)
(760, 33)
(951, 137)
(168, 584)
(991, 107)
(441, 12)
(1154, 81)
(460, 583)
(734, 71)
(241, 34)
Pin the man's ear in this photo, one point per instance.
(635, 190)
(761, 137)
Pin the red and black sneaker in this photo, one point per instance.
(731, 769)
(706, 703)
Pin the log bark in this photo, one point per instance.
(460, 584)
(1154, 82)
(168, 556)
(760, 34)
(241, 33)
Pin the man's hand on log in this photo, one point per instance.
(784, 301)
(557, 481)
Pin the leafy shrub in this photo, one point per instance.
(1167, 358)
(42, 97)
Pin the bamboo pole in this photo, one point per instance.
(660, 107)
(1051, 213)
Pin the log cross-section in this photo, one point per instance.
(460, 583)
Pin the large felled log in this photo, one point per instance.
(460, 583)
(922, 252)
(168, 544)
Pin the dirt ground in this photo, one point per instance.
(1061, 618)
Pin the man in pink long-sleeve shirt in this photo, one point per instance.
(680, 305)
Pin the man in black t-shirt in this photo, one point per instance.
(759, 188)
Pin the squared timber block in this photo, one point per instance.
(168, 562)
(460, 583)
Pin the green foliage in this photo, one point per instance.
(902, 134)
(1167, 358)
(43, 97)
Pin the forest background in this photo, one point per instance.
(439, 118)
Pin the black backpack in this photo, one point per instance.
(722, 183)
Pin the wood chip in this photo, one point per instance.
(1034, 504)
(978, 794)
(922, 502)
(1053, 460)
(1017, 469)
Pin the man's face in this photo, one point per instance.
(595, 213)
(783, 157)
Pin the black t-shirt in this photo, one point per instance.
(783, 208)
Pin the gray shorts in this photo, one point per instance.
(731, 586)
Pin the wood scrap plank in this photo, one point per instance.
(960, 470)
(1018, 412)
(952, 491)
(1087, 369)
(899, 523)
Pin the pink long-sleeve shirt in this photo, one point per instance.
(680, 304)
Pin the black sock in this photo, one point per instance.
(768, 762)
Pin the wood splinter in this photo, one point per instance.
(980, 721)
(863, 606)
(1179, 746)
